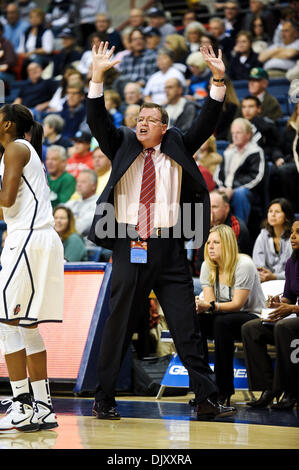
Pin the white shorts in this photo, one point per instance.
(32, 277)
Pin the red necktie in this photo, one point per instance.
(145, 222)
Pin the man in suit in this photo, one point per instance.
(151, 256)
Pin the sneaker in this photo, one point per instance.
(20, 416)
(45, 415)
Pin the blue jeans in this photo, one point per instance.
(240, 203)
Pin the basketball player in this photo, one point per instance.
(31, 279)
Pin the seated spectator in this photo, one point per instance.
(208, 156)
(152, 38)
(177, 44)
(154, 90)
(103, 26)
(282, 330)
(289, 170)
(278, 58)
(81, 158)
(36, 93)
(73, 110)
(157, 19)
(258, 9)
(188, 17)
(181, 112)
(233, 18)
(136, 20)
(257, 86)
(225, 41)
(272, 247)
(37, 42)
(16, 25)
(266, 132)
(260, 39)
(70, 75)
(193, 34)
(83, 208)
(62, 185)
(53, 125)
(73, 245)
(26, 6)
(243, 57)
(102, 167)
(200, 77)
(131, 115)
(59, 15)
(241, 170)
(8, 60)
(229, 111)
(233, 294)
(138, 65)
(69, 53)
(112, 104)
(88, 12)
(132, 95)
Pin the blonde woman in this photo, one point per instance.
(232, 295)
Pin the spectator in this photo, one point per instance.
(81, 159)
(136, 20)
(133, 94)
(15, 26)
(193, 34)
(112, 104)
(73, 245)
(53, 125)
(257, 86)
(73, 111)
(208, 156)
(84, 207)
(181, 112)
(225, 41)
(36, 93)
(70, 75)
(69, 53)
(103, 26)
(152, 38)
(59, 15)
(266, 132)
(243, 57)
(102, 167)
(232, 18)
(200, 77)
(260, 38)
(26, 6)
(87, 17)
(232, 291)
(154, 90)
(138, 65)
(157, 19)
(289, 170)
(259, 9)
(62, 184)
(277, 59)
(131, 115)
(177, 44)
(8, 60)
(280, 329)
(37, 42)
(241, 170)
(272, 247)
(188, 17)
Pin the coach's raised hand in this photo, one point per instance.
(102, 61)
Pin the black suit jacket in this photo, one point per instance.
(122, 148)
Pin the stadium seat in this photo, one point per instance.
(221, 146)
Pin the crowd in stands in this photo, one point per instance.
(250, 164)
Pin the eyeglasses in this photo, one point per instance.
(149, 120)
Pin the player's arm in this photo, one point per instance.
(15, 158)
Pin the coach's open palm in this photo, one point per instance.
(102, 61)
(215, 64)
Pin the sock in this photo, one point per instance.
(41, 391)
(19, 386)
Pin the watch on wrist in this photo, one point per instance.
(212, 307)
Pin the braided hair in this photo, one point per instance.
(25, 124)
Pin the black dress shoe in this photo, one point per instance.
(265, 399)
(193, 402)
(287, 402)
(224, 399)
(103, 410)
(210, 409)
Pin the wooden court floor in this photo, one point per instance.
(167, 423)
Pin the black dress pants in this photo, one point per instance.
(167, 273)
(284, 334)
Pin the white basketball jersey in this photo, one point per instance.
(32, 208)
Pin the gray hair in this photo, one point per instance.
(55, 122)
(92, 173)
(59, 149)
